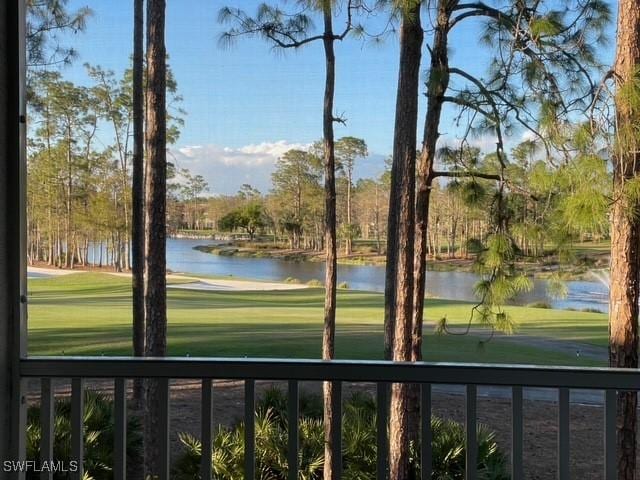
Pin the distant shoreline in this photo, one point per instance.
(540, 270)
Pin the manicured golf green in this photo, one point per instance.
(89, 314)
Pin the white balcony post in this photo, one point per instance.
(12, 233)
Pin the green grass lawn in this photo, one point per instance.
(89, 314)
(586, 248)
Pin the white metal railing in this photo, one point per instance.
(379, 372)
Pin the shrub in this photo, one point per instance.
(591, 310)
(449, 452)
(275, 399)
(98, 437)
(475, 245)
(315, 283)
(291, 280)
(358, 448)
(226, 252)
(540, 304)
(343, 285)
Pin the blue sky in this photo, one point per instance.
(247, 104)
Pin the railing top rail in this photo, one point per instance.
(343, 370)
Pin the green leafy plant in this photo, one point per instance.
(98, 437)
(449, 452)
(358, 446)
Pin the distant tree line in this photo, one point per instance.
(551, 205)
(80, 168)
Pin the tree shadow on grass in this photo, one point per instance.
(280, 340)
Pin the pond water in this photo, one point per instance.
(181, 257)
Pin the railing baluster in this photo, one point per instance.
(165, 421)
(77, 429)
(610, 402)
(18, 443)
(120, 430)
(292, 414)
(471, 433)
(426, 457)
(382, 419)
(336, 408)
(249, 429)
(517, 433)
(563, 433)
(206, 426)
(47, 407)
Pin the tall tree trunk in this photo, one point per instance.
(625, 234)
(454, 235)
(68, 228)
(401, 229)
(332, 458)
(377, 220)
(137, 194)
(348, 248)
(437, 84)
(156, 195)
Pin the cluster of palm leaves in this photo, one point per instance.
(358, 444)
(98, 437)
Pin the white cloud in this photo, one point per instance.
(226, 169)
(272, 148)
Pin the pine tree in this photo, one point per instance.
(137, 194)
(401, 230)
(625, 230)
(155, 204)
